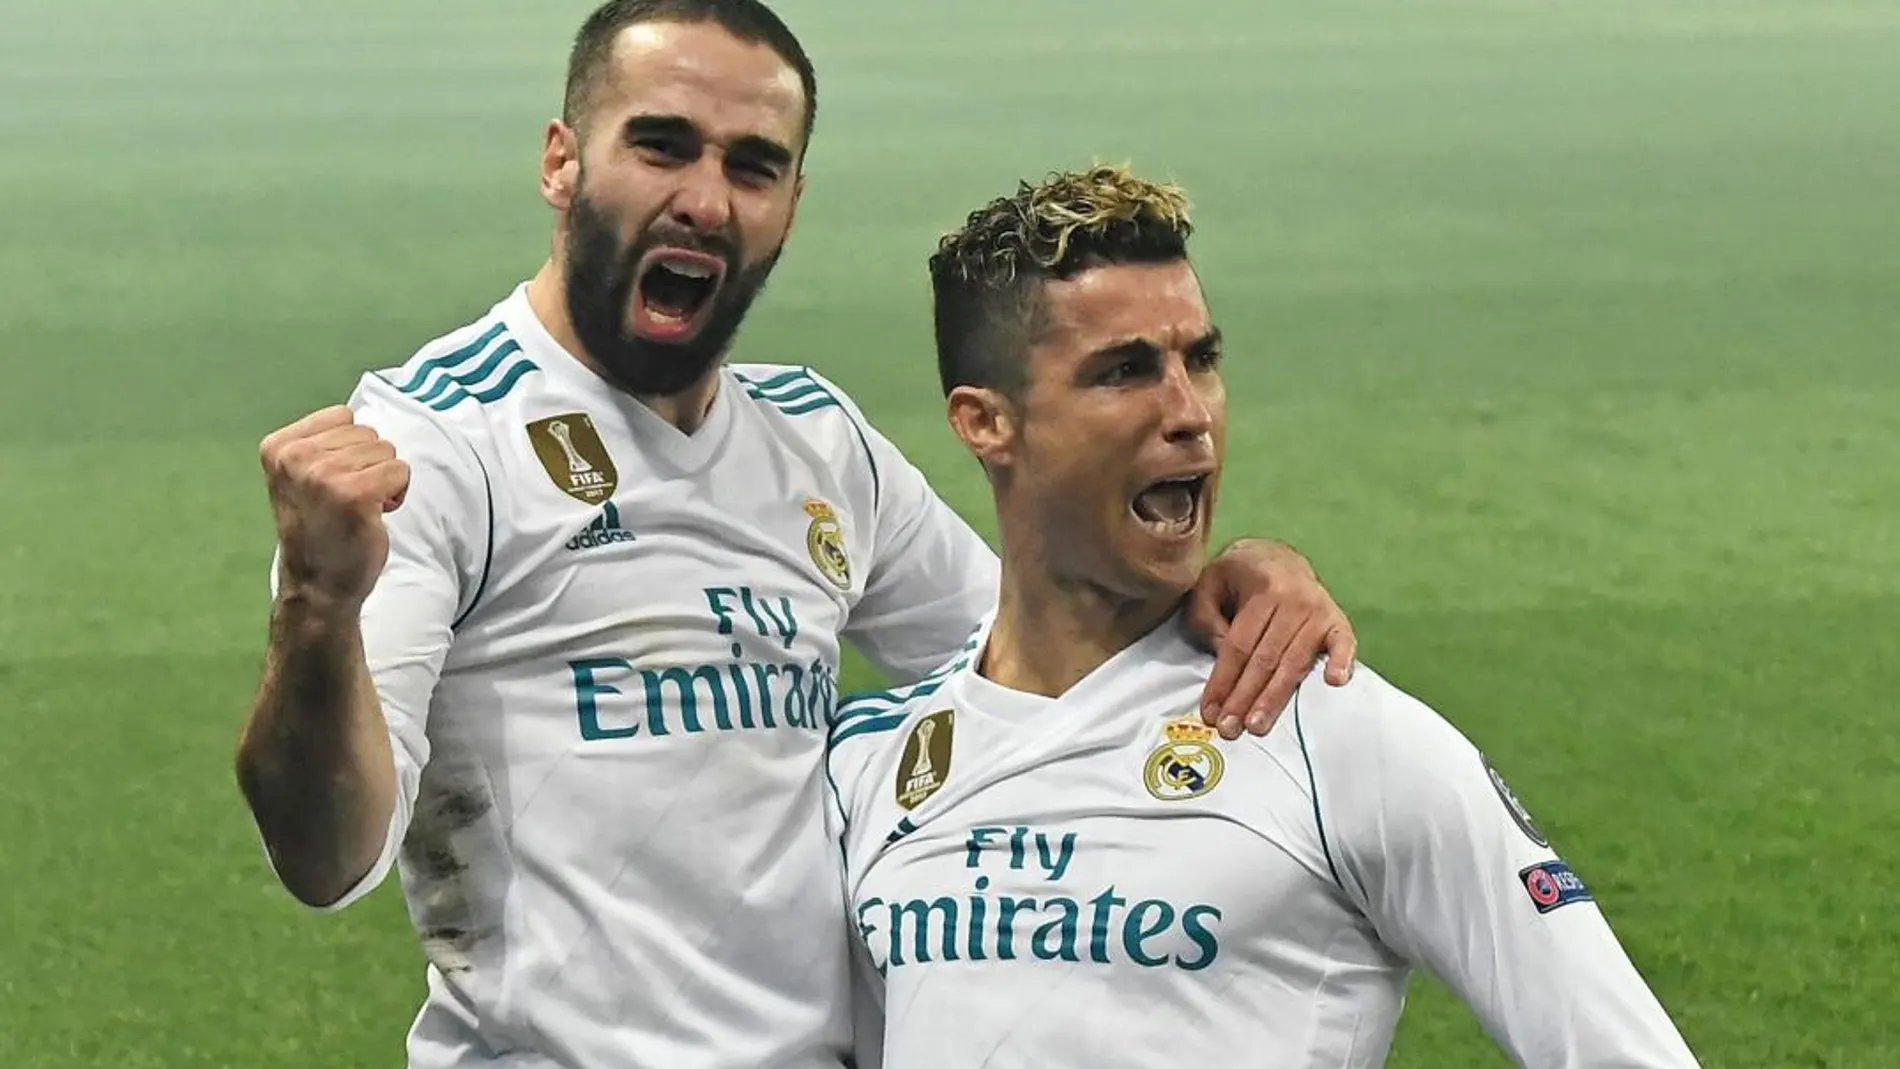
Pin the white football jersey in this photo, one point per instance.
(608, 654)
(1100, 880)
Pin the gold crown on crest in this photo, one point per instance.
(1188, 729)
(819, 510)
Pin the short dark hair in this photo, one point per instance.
(986, 278)
(748, 20)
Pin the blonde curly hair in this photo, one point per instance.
(1069, 216)
(985, 275)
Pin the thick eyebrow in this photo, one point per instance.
(1126, 348)
(661, 126)
(1130, 347)
(1205, 344)
(762, 149)
(752, 146)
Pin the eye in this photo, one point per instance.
(1207, 359)
(664, 149)
(755, 172)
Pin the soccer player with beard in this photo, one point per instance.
(559, 601)
(1051, 860)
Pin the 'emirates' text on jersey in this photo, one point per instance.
(1099, 880)
(608, 654)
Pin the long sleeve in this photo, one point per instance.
(438, 546)
(1456, 877)
(932, 577)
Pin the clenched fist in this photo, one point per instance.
(331, 479)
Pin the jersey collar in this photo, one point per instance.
(654, 435)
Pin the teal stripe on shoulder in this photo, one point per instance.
(446, 382)
(788, 390)
(874, 697)
(875, 705)
(922, 688)
(802, 396)
(781, 379)
(816, 404)
(806, 385)
(791, 395)
(454, 397)
(872, 726)
(783, 388)
(799, 393)
(466, 352)
(870, 458)
(867, 702)
(499, 389)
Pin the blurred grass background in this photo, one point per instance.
(1562, 338)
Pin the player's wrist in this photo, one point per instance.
(305, 609)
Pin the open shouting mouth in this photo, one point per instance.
(1173, 507)
(674, 292)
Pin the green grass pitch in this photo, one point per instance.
(1564, 338)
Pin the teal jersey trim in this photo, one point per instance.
(798, 393)
(868, 727)
(447, 360)
(485, 383)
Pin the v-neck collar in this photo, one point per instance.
(989, 700)
(655, 436)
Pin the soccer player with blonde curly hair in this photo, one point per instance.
(1051, 860)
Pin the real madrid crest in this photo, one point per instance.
(1186, 764)
(824, 540)
(925, 763)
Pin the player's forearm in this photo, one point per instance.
(315, 763)
(1602, 1016)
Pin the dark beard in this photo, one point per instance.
(600, 278)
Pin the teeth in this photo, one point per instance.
(1169, 504)
(689, 270)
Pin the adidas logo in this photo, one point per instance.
(604, 531)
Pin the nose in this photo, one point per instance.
(1187, 413)
(703, 199)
